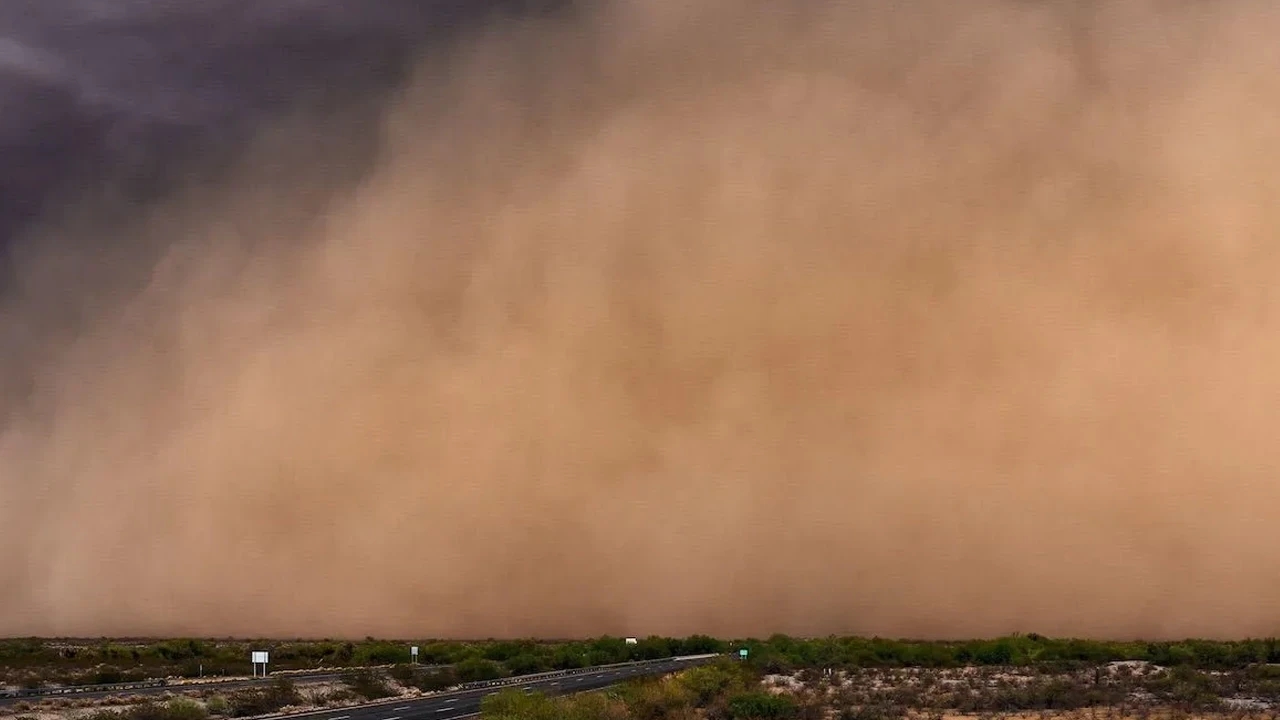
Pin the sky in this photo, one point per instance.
(95, 91)
(922, 319)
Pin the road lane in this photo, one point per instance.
(466, 703)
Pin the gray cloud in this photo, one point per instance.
(96, 92)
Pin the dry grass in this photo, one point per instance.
(313, 696)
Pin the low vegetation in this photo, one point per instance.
(1021, 677)
(728, 690)
(718, 692)
(368, 685)
(35, 663)
(177, 709)
(781, 653)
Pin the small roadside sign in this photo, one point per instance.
(258, 657)
(742, 653)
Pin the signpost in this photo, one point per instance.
(742, 654)
(631, 641)
(413, 653)
(259, 657)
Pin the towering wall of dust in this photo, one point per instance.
(925, 319)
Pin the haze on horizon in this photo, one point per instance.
(923, 319)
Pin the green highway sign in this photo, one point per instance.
(742, 652)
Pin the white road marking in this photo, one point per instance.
(340, 717)
(397, 717)
(450, 700)
(405, 707)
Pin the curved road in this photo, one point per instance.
(443, 705)
(466, 703)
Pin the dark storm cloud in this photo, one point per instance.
(126, 91)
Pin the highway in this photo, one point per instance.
(466, 703)
(439, 706)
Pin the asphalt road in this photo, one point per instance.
(466, 703)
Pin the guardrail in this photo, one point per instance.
(320, 674)
(77, 689)
(522, 679)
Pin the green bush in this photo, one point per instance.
(518, 705)
(367, 685)
(705, 684)
(261, 701)
(760, 704)
(436, 681)
(380, 653)
(218, 705)
(477, 669)
(526, 664)
(654, 700)
(594, 706)
(177, 709)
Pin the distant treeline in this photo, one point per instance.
(779, 652)
(782, 653)
(108, 661)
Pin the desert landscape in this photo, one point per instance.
(1016, 678)
(639, 359)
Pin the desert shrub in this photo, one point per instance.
(505, 650)
(594, 706)
(526, 664)
(177, 709)
(402, 672)
(260, 701)
(367, 684)
(1185, 687)
(435, 681)
(708, 682)
(477, 669)
(654, 700)
(810, 676)
(760, 704)
(379, 653)
(31, 682)
(518, 705)
(879, 711)
(334, 696)
(218, 705)
(185, 709)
